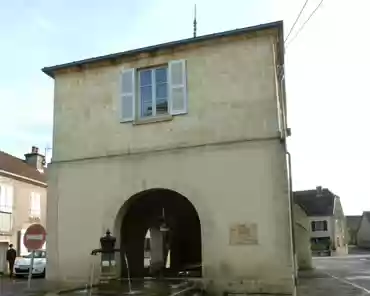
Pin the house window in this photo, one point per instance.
(6, 198)
(153, 92)
(319, 225)
(35, 205)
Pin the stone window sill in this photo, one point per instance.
(153, 119)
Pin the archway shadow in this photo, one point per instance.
(145, 210)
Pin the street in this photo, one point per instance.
(18, 286)
(344, 275)
(12, 287)
(333, 276)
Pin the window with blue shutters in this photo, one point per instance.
(153, 92)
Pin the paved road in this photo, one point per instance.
(334, 276)
(12, 287)
(18, 287)
(345, 275)
(351, 269)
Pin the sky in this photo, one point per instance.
(326, 71)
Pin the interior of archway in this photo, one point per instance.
(147, 211)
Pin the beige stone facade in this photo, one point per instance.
(226, 154)
(336, 229)
(21, 214)
(302, 239)
(363, 233)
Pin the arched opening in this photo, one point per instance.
(160, 235)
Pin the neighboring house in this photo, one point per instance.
(363, 233)
(302, 238)
(191, 133)
(327, 220)
(22, 199)
(353, 223)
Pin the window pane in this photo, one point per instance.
(146, 101)
(162, 106)
(161, 75)
(145, 77)
(161, 90)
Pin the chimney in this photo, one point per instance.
(318, 190)
(35, 159)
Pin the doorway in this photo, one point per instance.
(160, 234)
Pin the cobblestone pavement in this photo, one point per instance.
(339, 276)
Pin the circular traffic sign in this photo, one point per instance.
(35, 237)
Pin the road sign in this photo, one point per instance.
(35, 237)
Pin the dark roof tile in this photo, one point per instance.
(314, 204)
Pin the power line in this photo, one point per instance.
(296, 20)
(301, 28)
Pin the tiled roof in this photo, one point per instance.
(353, 222)
(315, 204)
(17, 166)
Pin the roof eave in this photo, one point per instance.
(23, 178)
(272, 25)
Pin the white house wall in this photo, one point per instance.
(317, 234)
(363, 234)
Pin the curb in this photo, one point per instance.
(57, 291)
(65, 291)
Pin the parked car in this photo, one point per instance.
(22, 264)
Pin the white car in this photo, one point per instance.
(22, 264)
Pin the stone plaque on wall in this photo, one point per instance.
(243, 234)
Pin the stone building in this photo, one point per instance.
(22, 199)
(302, 239)
(363, 232)
(326, 218)
(353, 223)
(191, 133)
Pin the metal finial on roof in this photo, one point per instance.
(195, 21)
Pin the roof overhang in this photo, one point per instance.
(23, 178)
(278, 25)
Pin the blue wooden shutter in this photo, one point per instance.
(177, 87)
(127, 98)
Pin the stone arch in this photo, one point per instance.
(140, 212)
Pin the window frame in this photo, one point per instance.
(35, 213)
(316, 225)
(177, 93)
(153, 85)
(6, 189)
